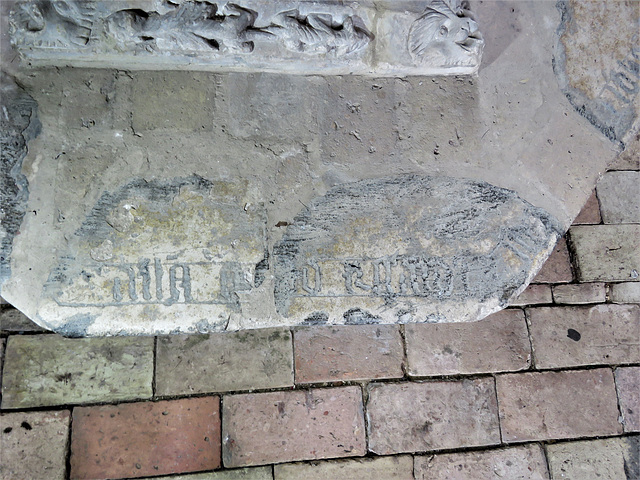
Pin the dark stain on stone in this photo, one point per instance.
(26, 426)
(316, 318)
(632, 458)
(7, 430)
(574, 335)
(357, 316)
(18, 124)
(261, 268)
(76, 326)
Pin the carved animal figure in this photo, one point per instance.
(444, 37)
(190, 26)
(319, 33)
(60, 23)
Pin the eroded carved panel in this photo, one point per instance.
(430, 36)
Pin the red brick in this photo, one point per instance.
(572, 336)
(33, 445)
(352, 352)
(279, 427)
(628, 386)
(527, 461)
(499, 343)
(417, 417)
(146, 438)
(579, 294)
(557, 268)
(554, 405)
(590, 213)
(534, 295)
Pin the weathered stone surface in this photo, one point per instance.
(350, 261)
(607, 252)
(607, 36)
(415, 417)
(188, 364)
(14, 321)
(42, 370)
(498, 343)
(627, 384)
(18, 124)
(426, 37)
(399, 467)
(282, 151)
(109, 441)
(607, 459)
(34, 445)
(557, 268)
(590, 213)
(362, 352)
(255, 473)
(629, 158)
(534, 294)
(533, 406)
(288, 426)
(628, 292)
(618, 193)
(581, 293)
(572, 336)
(513, 463)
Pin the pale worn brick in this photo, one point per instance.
(290, 426)
(619, 194)
(571, 336)
(42, 370)
(534, 294)
(498, 343)
(351, 352)
(399, 467)
(247, 360)
(606, 253)
(525, 462)
(628, 292)
(33, 445)
(607, 459)
(416, 417)
(14, 321)
(3, 343)
(581, 293)
(145, 438)
(629, 159)
(628, 386)
(590, 213)
(557, 268)
(255, 473)
(556, 405)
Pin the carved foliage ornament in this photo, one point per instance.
(444, 34)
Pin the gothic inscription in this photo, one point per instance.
(417, 244)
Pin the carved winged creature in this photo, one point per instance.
(445, 37)
(319, 33)
(190, 26)
(58, 23)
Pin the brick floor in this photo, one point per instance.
(573, 336)
(619, 193)
(33, 445)
(583, 293)
(608, 459)
(145, 438)
(525, 462)
(557, 405)
(14, 321)
(499, 343)
(350, 352)
(590, 213)
(248, 360)
(290, 426)
(255, 473)
(44, 370)
(384, 468)
(534, 294)
(628, 292)
(557, 268)
(606, 253)
(417, 417)
(627, 383)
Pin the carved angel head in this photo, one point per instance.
(445, 37)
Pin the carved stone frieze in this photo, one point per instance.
(419, 37)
